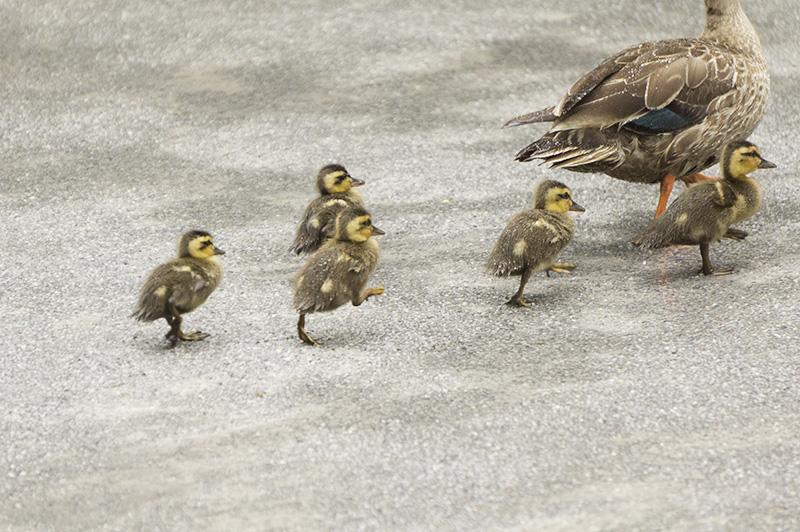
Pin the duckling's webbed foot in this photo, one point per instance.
(301, 332)
(518, 301)
(377, 291)
(561, 267)
(193, 336)
(736, 234)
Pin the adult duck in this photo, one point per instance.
(660, 111)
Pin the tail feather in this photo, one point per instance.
(542, 115)
(588, 157)
(576, 149)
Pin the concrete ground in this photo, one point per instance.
(634, 396)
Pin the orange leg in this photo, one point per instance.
(667, 182)
(696, 178)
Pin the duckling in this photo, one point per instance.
(660, 111)
(336, 192)
(338, 271)
(533, 238)
(181, 285)
(705, 211)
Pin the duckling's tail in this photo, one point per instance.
(655, 235)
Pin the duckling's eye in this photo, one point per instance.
(205, 244)
(565, 195)
(751, 154)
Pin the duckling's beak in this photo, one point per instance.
(218, 251)
(376, 231)
(766, 164)
(576, 207)
(355, 182)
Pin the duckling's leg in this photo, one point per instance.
(377, 291)
(517, 300)
(707, 268)
(736, 234)
(175, 333)
(696, 178)
(174, 320)
(667, 182)
(301, 331)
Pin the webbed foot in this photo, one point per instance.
(716, 271)
(193, 336)
(562, 267)
(518, 301)
(736, 234)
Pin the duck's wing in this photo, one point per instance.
(581, 88)
(172, 283)
(652, 87)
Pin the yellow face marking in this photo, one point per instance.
(201, 247)
(743, 162)
(327, 286)
(558, 200)
(161, 291)
(356, 229)
(331, 184)
(519, 248)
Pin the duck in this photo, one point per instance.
(533, 238)
(660, 111)
(336, 192)
(181, 285)
(705, 212)
(338, 271)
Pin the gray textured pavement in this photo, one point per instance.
(634, 396)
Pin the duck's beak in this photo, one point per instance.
(576, 207)
(766, 164)
(376, 231)
(355, 182)
(218, 251)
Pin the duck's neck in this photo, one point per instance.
(727, 24)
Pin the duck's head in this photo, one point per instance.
(334, 178)
(198, 244)
(554, 196)
(355, 225)
(740, 158)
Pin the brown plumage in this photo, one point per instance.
(533, 238)
(705, 212)
(660, 111)
(336, 193)
(338, 272)
(181, 285)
